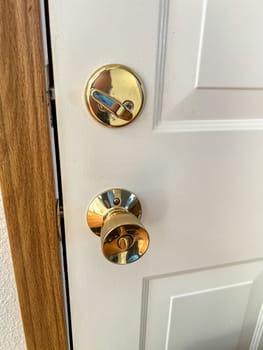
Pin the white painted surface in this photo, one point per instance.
(201, 309)
(210, 65)
(219, 49)
(11, 329)
(201, 193)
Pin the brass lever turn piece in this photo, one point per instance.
(114, 215)
(111, 105)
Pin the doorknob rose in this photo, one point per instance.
(114, 215)
(114, 95)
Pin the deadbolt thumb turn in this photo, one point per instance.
(114, 215)
(114, 95)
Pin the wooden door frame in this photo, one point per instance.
(26, 176)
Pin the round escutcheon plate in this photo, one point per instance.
(103, 203)
(114, 95)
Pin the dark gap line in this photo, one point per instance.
(57, 156)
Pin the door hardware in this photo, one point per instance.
(114, 215)
(114, 95)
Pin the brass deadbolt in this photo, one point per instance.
(114, 95)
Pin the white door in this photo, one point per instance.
(194, 157)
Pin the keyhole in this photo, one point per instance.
(125, 242)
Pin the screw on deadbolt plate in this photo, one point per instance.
(129, 105)
(116, 201)
(101, 108)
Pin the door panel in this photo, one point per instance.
(202, 309)
(209, 65)
(201, 193)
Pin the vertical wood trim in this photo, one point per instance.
(26, 176)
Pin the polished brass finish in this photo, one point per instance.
(114, 95)
(114, 215)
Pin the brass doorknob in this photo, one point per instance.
(114, 215)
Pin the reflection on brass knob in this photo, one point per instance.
(114, 95)
(114, 215)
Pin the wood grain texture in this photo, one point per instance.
(26, 176)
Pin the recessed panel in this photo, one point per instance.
(209, 66)
(202, 309)
(207, 319)
(231, 52)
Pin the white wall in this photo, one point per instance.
(11, 329)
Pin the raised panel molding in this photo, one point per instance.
(233, 292)
(229, 56)
(199, 312)
(208, 125)
(258, 332)
(196, 89)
